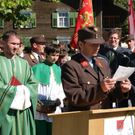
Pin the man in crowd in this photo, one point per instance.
(114, 37)
(37, 53)
(86, 78)
(129, 39)
(63, 57)
(21, 48)
(18, 90)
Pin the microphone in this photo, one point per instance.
(107, 47)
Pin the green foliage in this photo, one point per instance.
(124, 3)
(55, 0)
(10, 10)
(26, 41)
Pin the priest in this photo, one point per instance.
(18, 90)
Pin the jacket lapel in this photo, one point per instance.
(33, 58)
(87, 67)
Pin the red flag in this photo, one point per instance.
(131, 18)
(85, 18)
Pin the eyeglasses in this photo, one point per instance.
(115, 38)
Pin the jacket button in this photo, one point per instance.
(100, 102)
(88, 82)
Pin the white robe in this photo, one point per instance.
(50, 92)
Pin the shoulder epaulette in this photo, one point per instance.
(102, 58)
(32, 56)
(42, 56)
(98, 62)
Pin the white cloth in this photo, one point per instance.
(22, 54)
(21, 100)
(133, 50)
(51, 92)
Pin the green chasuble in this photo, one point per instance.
(42, 72)
(16, 122)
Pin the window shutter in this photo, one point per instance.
(94, 18)
(33, 16)
(73, 18)
(1, 23)
(54, 20)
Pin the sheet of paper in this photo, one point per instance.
(123, 73)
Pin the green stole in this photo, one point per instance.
(42, 72)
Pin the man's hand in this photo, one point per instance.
(57, 101)
(125, 85)
(107, 84)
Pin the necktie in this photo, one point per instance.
(111, 56)
(39, 59)
(95, 65)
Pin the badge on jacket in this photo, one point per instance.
(84, 62)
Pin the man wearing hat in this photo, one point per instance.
(20, 52)
(62, 57)
(129, 39)
(37, 50)
(86, 78)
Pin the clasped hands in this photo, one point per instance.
(108, 84)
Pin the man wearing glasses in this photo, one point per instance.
(114, 37)
(37, 51)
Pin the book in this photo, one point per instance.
(14, 81)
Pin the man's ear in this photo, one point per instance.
(34, 45)
(3, 42)
(80, 43)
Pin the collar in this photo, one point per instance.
(43, 76)
(115, 48)
(22, 54)
(133, 50)
(89, 60)
(35, 54)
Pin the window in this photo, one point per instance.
(64, 19)
(111, 21)
(29, 14)
(1, 23)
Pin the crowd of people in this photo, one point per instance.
(79, 82)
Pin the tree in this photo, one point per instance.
(10, 10)
(124, 3)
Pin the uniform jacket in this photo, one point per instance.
(118, 59)
(80, 85)
(32, 60)
(132, 79)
